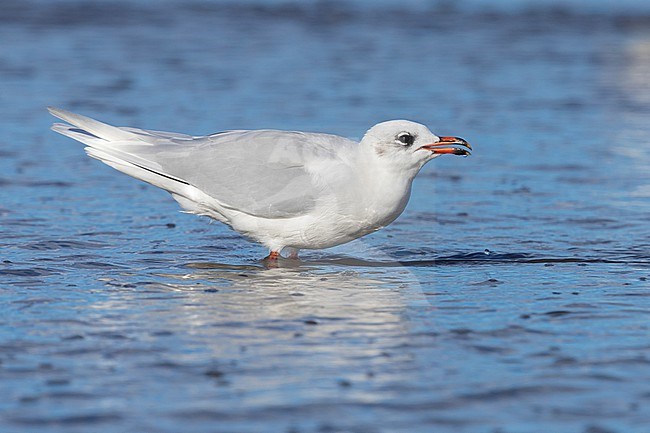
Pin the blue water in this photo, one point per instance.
(511, 296)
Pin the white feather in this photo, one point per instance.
(282, 188)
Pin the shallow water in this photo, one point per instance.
(511, 296)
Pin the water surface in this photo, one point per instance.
(511, 295)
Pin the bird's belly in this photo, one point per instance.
(323, 228)
(326, 236)
(305, 232)
(339, 229)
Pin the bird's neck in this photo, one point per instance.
(386, 191)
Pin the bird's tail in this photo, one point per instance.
(132, 151)
(85, 129)
(117, 148)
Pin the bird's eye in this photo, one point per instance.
(405, 138)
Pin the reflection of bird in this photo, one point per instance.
(287, 190)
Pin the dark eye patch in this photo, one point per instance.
(406, 139)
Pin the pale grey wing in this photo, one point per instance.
(152, 136)
(263, 173)
(164, 137)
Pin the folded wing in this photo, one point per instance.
(264, 173)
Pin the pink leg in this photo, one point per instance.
(292, 253)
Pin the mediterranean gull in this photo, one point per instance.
(288, 190)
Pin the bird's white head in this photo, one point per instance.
(409, 145)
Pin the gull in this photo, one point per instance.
(287, 190)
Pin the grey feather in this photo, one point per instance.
(264, 173)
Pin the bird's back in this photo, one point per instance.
(262, 173)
